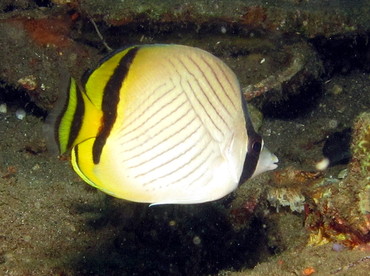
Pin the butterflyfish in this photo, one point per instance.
(161, 124)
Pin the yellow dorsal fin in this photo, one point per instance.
(96, 82)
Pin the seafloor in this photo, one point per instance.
(312, 59)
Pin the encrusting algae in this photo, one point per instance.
(340, 211)
(361, 143)
(335, 209)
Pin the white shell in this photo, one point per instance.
(20, 114)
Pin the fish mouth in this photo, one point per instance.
(275, 160)
(268, 159)
(267, 162)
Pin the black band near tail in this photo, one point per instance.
(110, 101)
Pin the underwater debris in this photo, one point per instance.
(292, 176)
(351, 265)
(304, 66)
(256, 17)
(9, 172)
(286, 197)
(3, 108)
(308, 20)
(53, 31)
(361, 144)
(288, 189)
(241, 216)
(308, 271)
(340, 210)
(20, 113)
(29, 82)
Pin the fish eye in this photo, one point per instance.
(256, 147)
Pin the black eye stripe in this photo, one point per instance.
(253, 153)
(256, 147)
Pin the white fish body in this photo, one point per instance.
(179, 132)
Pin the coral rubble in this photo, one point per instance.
(340, 210)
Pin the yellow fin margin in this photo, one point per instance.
(66, 121)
